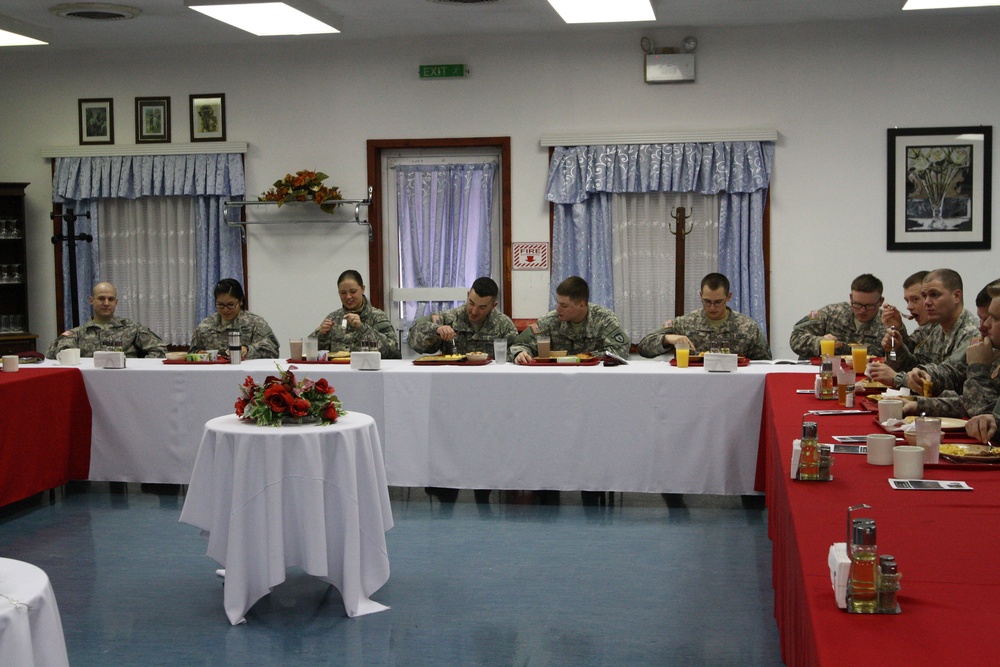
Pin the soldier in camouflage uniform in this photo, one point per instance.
(104, 329)
(256, 337)
(951, 329)
(576, 325)
(857, 321)
(981, 386)
(715, 319)
(469, 328)
(357, 322)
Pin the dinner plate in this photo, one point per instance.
(960, 453)
(947, 423)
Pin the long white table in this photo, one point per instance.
(308, 496)
(645, 427)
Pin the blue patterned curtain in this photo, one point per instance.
(739, 170)
(445, 219)
(210, 179)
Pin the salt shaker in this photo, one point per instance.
(235, 347)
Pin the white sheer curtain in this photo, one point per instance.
(644, 255)
(147, 249)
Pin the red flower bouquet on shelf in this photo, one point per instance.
(303, 186)
(282, 400)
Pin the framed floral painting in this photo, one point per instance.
(97, 121)
(208, 117)
(152, 120)
(939, 188)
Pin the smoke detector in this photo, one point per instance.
(95, 11)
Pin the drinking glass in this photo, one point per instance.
(500, 350)
(544, 346)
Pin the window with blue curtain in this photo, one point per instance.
(582, 179)
(78, 183)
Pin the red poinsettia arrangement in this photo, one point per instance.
(303, 186)
(282, 400)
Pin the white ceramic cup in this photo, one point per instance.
(500, 350)
(908, 462)
(10, 363)
(69, 357)
(880, 447)
(890, 408)
(929, 438)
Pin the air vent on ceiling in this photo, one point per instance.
(95, 11)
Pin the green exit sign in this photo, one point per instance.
(441, 71)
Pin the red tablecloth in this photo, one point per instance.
(45, 433)
(945, 543)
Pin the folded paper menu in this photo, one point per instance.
(928, 485)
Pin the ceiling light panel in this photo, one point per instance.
(603, 11)
(948, 4)
(267, 18)
(18, 33)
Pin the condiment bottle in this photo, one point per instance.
(849, 396)
(827, 390)
(809, 457)
(235, 347)
(862, 585)
(888, 584)
(825, 463)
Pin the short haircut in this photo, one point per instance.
(714, 281)
(93, 290)
(915, 279)
(992, 290)
(950, 279)
(485, 286)
(231, 287)
(351, 274)
(866, 282)
(575, 288)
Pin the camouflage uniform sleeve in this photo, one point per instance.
(948, 404)
(979, 393)
(525, 342)
(905, 360)
(950, 374)
(328, 341)
(263, 343)
(652, 345)
(615, 339)
(806, 333)
(381, 327)
(759, 349)
(63, 342)
(149, 343)
(423, 336)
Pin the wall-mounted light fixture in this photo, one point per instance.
(264, 18)
(948, 4)
(18, 33)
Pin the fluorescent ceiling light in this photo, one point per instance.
(603, 11)
(270, 18)
(948, 4)
(16, 33)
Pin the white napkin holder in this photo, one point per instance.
(796, 455)
(721, 363)
(840, 571)
(109, 360)
(366, 361)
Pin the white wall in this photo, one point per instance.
(831, 91)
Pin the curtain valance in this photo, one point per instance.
(576, 172)
(131, 177)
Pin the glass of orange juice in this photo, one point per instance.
(859, 355)
(682, 355)
(827, 347)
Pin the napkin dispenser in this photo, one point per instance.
(716, 362)
(840, 571)
(109, 360)
(366, 361)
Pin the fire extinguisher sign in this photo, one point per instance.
(531, 256)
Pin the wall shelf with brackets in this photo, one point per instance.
(234, 211)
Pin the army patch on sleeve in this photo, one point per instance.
(435, 318)
(668, 324)
(620, 338)
(814, 315)
(535, 328)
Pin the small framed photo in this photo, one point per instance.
(208, 117)
(152, 120)
(939, 194)
(97, 121)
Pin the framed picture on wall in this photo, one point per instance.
(208, 117)
(939, 188)
(152, 120)
(97, 121)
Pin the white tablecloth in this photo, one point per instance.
(30, 628)
(308, 496)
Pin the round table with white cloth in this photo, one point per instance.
(31, 631)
